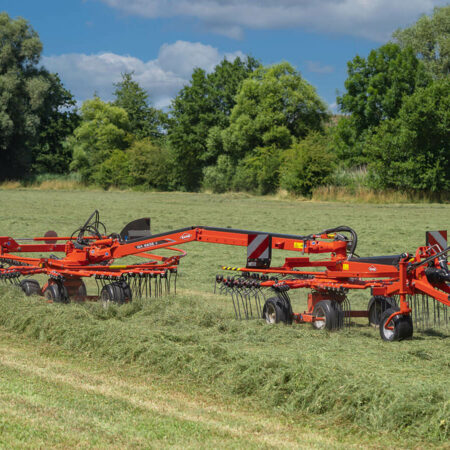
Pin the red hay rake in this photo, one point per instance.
(404, 287)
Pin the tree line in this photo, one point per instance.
(242, 127)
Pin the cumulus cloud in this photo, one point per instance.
(371, 19)
(318, 67)
(163, 77)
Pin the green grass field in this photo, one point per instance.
(181, 371)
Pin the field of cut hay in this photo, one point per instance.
(181, 371)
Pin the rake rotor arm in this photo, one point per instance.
(227, 236)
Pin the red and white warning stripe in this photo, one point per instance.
(258, 246)
(438, 238)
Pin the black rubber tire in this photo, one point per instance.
(332, 311)
(273, 312)
(376, 307)
(403, 326)
(57, 293)
(30, 287)
(118, 292)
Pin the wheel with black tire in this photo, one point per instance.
(377, 306)
(273, 311)
(30, 287)
(399, 328)
(56, 293)
(328, 315)
(117, 293)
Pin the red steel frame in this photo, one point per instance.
(339, 271)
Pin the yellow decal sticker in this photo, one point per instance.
(344, 266)
(298, 244)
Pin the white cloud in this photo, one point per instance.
(162, 77)
(333, 107)
(318, 67)
(371, 19)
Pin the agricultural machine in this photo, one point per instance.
(404, 287)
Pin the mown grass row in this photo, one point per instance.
(350, 378)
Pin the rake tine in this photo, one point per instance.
(175, 281)
(244, 305)
(238, 307)
(169, 277)
(234, 307)
(248, 303)
(258, 304)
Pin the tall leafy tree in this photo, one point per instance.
(376, 85)
(26, 99)
(274, 107)
(145, 121)
(412, 151)
(58, 119)
(103, 133)
(429, 38)
(200, 106)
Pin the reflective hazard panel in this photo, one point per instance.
(259, 250)
(438, 238)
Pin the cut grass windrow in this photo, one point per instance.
(293, 370)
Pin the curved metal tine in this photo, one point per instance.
(438, 307)
(258, 304)
(175, 282)
(222, 288)
(435, 313)
(244, 304)
(238, 307)
(234, 307)
(414, 308)
(169, 278)
(248, 303)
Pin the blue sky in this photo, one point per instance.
(91, 42)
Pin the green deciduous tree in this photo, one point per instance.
(413, 151)
(151, 165)
(274, 106)
(308, 164)
(58, 120)
(145, 121)
(114, 171)
(30, 97)
(219, 178)
(377, 85)
(429, 38)
(203, 104)
(103, 129)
